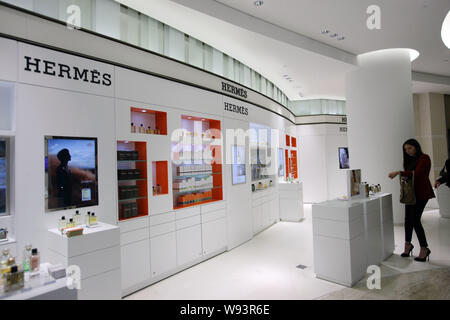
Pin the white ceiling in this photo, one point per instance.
(284, 37)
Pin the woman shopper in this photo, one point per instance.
(417, 163)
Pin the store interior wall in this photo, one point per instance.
(319, 161)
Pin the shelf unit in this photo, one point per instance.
(160, 178)
(151, 121)
(293, 164)
(197, 178)
(138, 195)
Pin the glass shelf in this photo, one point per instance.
(132, 199)
(131, 160)
(196, 190)
(140, 179)
(192, 175)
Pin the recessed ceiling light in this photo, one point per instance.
(144, 110)
(341, 38)
(258, 3)
(334, 35)
(445, 31)
(189, 117)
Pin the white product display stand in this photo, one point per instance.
(291, 201)
(348, 236)
(443, 195)
(43, 287)
(97, 253)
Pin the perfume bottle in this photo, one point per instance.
(158, 189)
(141, 129)
(14, 279)
(4, 264)
(26, 265)
(133, 128)
(61, 224)
(149, 130)
(11, 261)
(77, 219)
(92, 219)
(156, 131)
(86, 218)
(35, 259)
(70, 224)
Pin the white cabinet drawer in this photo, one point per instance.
(188, 222)
(186, 213)
(162, 218)
(135, 266)
(134, 236)
(162, 229)
(133, 224)
(163, 253)
(97, 262)
(214, 215)
(213, 207)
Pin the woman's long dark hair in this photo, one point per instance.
(410, 163)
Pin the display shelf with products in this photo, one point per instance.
(293, 142)
(132, 179)
(147, 121)
(288, 141)
(197, 169)
(293, 164)
(159, 178)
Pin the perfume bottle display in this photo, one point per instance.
(26, 265)
(14, 279)
(35, 259)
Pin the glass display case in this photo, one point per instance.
(281, 164)
(197, 162)
(159, 178)
(263, 172)
(132, 179)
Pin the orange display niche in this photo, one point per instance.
(148, 121)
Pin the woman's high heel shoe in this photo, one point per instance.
(409, 253)
(424, 258)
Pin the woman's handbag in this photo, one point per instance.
(407, 191)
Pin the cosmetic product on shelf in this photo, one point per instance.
(3, 233)
(14, 279)
(77, 219)
(35, 259)
(86, 218)
(26, 265)
(70, 223)
(61, 224)
(141, 128)
(4, 268)
(93, 220)
(133, 128)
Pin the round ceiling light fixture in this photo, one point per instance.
(258, 3)
(445, 31)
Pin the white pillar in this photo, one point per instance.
(380, 117)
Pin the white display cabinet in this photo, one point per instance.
(387, 225)
(97, 253)
(265, 206)
(351, 235)
(338, 241)
(443, 195)
(291, 201)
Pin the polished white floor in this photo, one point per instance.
(265, 267)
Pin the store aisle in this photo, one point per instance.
(265, 268)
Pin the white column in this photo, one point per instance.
(380, 117)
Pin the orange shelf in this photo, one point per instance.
(160, 177)
(288, 141)
(149, 118)
(293, 142)
(215, 193)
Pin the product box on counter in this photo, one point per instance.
(129, 210)
(127, 192)
(127, 155)
(128, 174)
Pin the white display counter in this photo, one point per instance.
(97, 253)
(443, 195)
(348, 236)
(43, 287)
(291, 201)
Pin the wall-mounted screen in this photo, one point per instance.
(71, 172)
(343, 158)
(353, 182)
(281, 162)
(3, 177)
(238, 166)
